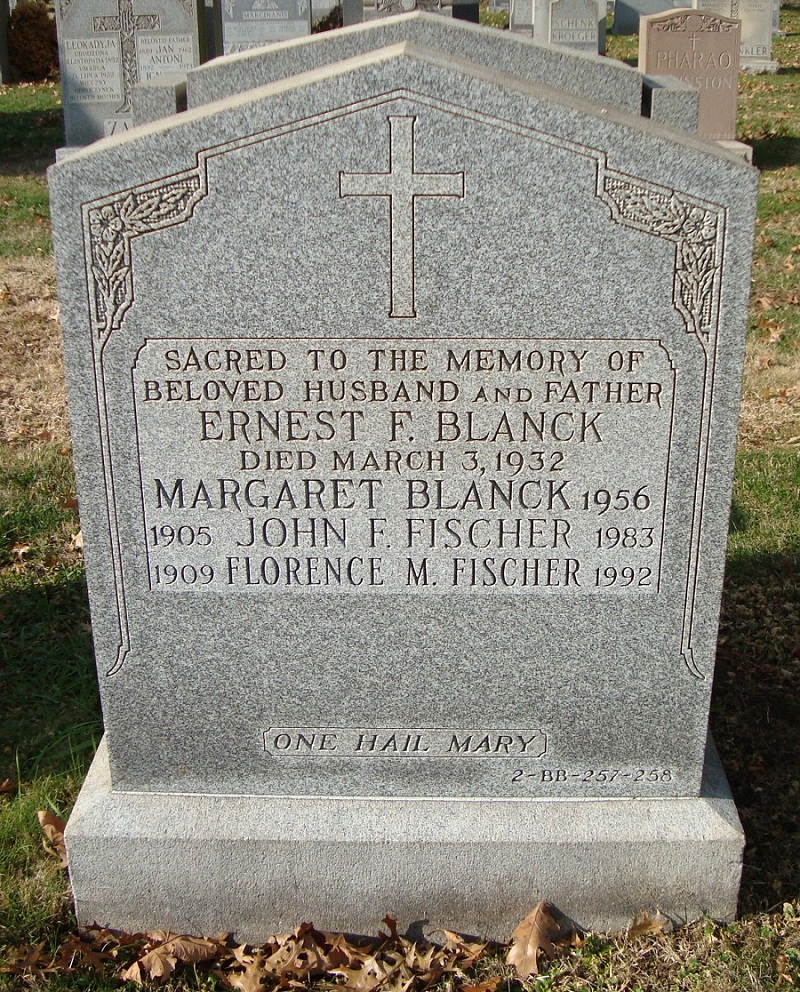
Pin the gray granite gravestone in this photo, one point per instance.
(394, 574)
(570, 23)
(105, 47)
(702, 49)
(756, 37)
(612, 82)
(252, 23)
(628, 12)
(670, 101)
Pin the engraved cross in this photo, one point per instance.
(401, 185)
(127, 23)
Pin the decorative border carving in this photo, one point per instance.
(109, 226)
(708, 22)
(696, 228)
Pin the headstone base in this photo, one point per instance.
(756, 67)
(260, 865)
(738, 148)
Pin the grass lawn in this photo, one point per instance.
(50, 721)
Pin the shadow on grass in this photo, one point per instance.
(775, 153)
(30, 137)
(755, 719)
(51, 713)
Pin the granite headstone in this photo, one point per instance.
(614, 83)
(393, 566)
(570, 23)
(107, 46)
(670, 101)
(703, 50)
(252, 23)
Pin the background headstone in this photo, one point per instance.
(701, 49)
(776, 20)
(756, 17)
(252, 23)
(521, 17)
(756, 39)
(158, 98)
(391, 569)
(584, 76)
(628, 12)
(352, 12)
(670, 101)
(377, 9)
(107, 46)
(570, 23)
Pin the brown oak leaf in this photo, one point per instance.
(538, 933)
(28, 962)
(490, 985)
(76, 952)
(249, 980)
(643, 922)
(53, 830)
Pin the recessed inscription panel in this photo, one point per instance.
(417, 466)
(160, 54)
(91, 70)
(349, 742)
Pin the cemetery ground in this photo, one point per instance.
(50, 720)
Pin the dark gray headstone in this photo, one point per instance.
(628, 12)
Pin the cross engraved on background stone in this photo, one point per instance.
(401, 185)
(127, 23)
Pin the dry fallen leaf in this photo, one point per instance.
(539, 932)
(53, 830)
(76, 540)
(490, 985)
(76, 952)
(27, 962)
(8, 296)
(643, 922)
(20, 550)
(249, 980)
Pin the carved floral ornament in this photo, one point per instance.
(696, 23)
(404, 6)
(111, 227)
